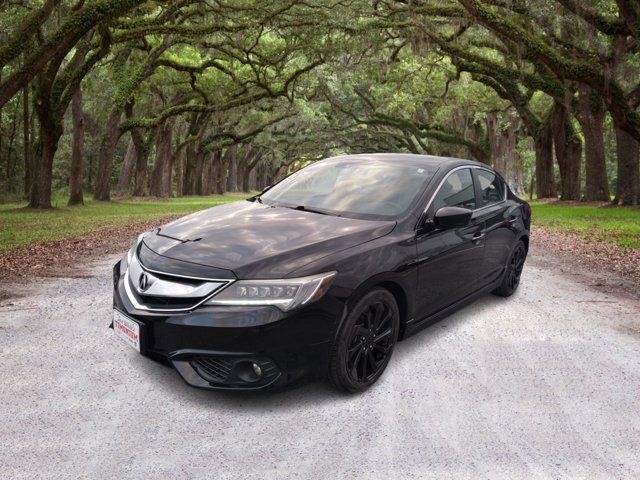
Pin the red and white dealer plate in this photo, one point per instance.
(127, 329)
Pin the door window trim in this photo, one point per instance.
(490, 170)
(476, 183)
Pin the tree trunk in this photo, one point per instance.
(190, 169)
(155, 181)
(142, 155)
(242, 174)
(245, 179)
(206, 174)
(50, 133)
(180, 172)
(502, 151)
(26, 141)
(1, 123)
(545, 182)
(568, 150)
(124, 181)
(220, 179)
(198, 172)
(222, 173)
(167, 177)
(77, 152)
(628, 183)
(232, 179)
(107, 152)
(160, 184)
(11, 167)
(253, 179)
(281, 173)
(215, 173)
(40, 196)
(90, 173)
(591, 117)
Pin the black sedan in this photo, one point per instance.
(321, 274)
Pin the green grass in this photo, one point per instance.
(612, 224)
(19, 225)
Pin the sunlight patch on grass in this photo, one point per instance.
(611, 224)
(19, 225)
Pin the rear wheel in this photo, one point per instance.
(365, 342)
(512, 275)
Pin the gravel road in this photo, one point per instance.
(545, 384)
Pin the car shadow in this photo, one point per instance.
(311, 392)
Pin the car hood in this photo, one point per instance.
(254, 240)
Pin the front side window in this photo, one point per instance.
(361, 188)
(491, 188)
(456, 191)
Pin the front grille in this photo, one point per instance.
(160, 303)
(166, 292)
(213, 369)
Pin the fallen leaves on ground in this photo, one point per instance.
(590, 253)
(65, 257)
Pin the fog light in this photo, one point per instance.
(248, 371)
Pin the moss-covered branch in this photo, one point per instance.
(564, 67)
(19, 39)
(62, 40)
(607, 24)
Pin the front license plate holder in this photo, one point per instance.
(128, 330)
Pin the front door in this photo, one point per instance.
(449, 262)
(500, 234)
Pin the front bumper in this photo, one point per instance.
(215, 347)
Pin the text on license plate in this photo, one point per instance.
(127, 329)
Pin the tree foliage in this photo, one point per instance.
(194, 97)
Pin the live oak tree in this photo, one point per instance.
(194, 97)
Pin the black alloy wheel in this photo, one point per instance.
(365, 342)
(512, 275)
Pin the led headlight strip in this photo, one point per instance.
(285, 294)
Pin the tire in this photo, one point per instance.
(512, 274)
(365, 342)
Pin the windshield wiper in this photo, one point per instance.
(302, 208)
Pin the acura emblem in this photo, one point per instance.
(143, 282)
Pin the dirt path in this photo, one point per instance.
(544, 384)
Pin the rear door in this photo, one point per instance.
(493, 210)
(449, 261)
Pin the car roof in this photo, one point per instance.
(427, 160)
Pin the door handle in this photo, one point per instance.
(512, 220)
(477, 237)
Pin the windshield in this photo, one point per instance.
(365, 188)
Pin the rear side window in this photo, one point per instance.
(491, 188)
(456, 191)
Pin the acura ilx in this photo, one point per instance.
(321, 274)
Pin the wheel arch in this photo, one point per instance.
(395, 287)
(400, 296)
(525, 239)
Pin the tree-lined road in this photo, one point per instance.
(545, 384)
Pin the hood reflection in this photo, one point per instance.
(260, 241)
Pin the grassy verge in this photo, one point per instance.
(612, 224)
(19, 225)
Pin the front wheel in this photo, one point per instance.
(365, 342)
(512, 274)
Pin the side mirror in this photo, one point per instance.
(452, 217)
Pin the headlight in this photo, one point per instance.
(285, 294)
